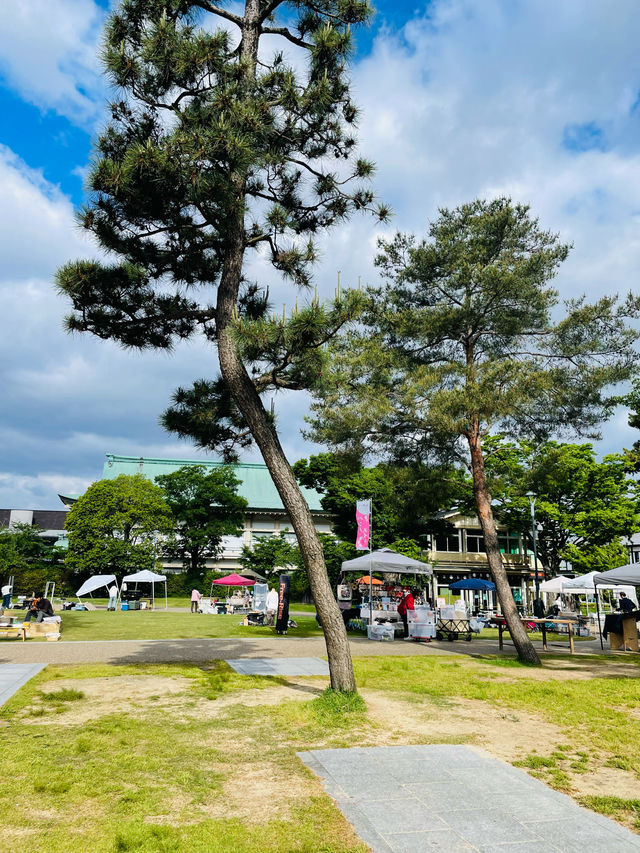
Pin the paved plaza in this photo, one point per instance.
(14, 675)
(280, 666)
(415, 799)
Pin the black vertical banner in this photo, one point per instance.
(282, 619)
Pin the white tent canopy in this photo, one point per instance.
(96, 582)
(386, 560)
(586, 584)
(624, 575)
(553, 585)
(146, 576)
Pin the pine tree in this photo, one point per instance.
(468, 340)
(218, 150)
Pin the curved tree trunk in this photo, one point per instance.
(248, 401)
(524, 646)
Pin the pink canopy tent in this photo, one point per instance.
(232, 580)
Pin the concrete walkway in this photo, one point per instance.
(414, 799)
(201, 650)
(13, 676)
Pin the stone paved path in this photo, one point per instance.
(14, 675)
(414, 799)
(199, 650)
(280, 666)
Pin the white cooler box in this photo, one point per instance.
(382, 633)
(422, 630)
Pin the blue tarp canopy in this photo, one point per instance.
(472, 583)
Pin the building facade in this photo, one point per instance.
(265, 514)
(460, 554)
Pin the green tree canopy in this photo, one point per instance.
(405, 498)
(205, 507)
(583, 507)
(114, 525)
(468, 339)
(269, 553)
(29, 558)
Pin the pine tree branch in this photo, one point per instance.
(216, 10)
(269, 9)
(286, 33)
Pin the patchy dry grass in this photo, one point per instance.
(197, 758)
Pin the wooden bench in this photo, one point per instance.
(13, 632)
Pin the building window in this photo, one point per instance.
(509, 543)
(447, 542)
(475, 542)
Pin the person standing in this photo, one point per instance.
(195, 600)
(625, 605)
(113, 597)
(272, 606)
(6, 596)
(406, 603)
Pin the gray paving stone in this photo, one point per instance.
(280, 666)
(575, 834)
(488, 826)
(445, 841)
(464, 801)
(13, 676)
(398, 816)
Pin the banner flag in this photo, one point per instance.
(363, 517)
(282, 617)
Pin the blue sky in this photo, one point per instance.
(460, 98)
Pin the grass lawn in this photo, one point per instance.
(172, 758)
(160, 625)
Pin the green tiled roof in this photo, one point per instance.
(256, 485)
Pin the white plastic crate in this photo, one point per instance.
(422, 630)
(381, 633)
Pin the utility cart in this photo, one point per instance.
(457, 628)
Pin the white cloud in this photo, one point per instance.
(472, 100)
(49, 54)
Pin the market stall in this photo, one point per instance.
(380, 611)
(94, 583)
(231, 604)
(624, 633)
(146, 576)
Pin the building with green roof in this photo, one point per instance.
(265, 514)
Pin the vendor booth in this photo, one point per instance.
(622, 627)
(95, 583)
(232, 604)
(146, 576)
(380, 610)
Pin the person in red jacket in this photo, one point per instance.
(406, 603)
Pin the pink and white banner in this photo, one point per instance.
(363, 517)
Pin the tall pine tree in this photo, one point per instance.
(220, 148)
(468, 340)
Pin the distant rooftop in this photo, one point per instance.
(256, 485)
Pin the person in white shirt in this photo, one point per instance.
(6, 596)
(272, 605)
(113, 597)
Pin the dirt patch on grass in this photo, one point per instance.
(127, 694)
(570, 670)
(508, 735)
(103, 696)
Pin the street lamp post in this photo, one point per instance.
(532, 504)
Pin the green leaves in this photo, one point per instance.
(464, 336)
(112, 526)
(205, 507)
